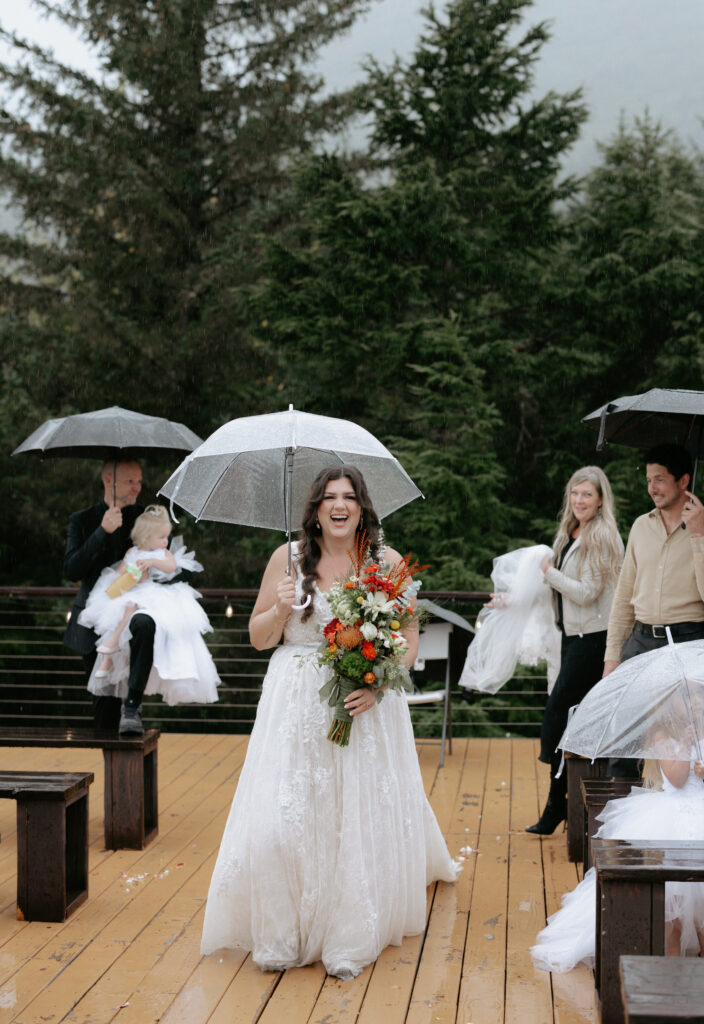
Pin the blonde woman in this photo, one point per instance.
(588, 552)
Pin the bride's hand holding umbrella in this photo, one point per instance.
(285, 597)
(275, 600)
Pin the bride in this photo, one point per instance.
(327, 850)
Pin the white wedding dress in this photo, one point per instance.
(645, 814)
(328, 850)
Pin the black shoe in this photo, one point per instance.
(549, 820)
(130, 722)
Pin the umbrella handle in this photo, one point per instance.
(300, 607)
(601, 442)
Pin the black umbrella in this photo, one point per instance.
(105, 434)
(661, 415)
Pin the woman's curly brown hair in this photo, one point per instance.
(308, 548)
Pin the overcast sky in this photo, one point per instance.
(626, 54)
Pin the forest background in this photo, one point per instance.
(198, 243)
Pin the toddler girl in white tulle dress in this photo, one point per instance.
(183, 670)
(669, 807)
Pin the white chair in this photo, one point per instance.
(434, 645)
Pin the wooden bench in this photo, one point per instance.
(658, 989)
(52, 841)
(131, 790)
(630, 905)
(596, 793)
(576, 769)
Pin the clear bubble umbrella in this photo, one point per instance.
(651, 706)
(257, 470)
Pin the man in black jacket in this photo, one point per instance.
(98, 537)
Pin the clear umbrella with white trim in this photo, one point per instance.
(651, 706)
(257, 470)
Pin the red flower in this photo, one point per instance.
(369, 650)
(375, 582)
(331, 628)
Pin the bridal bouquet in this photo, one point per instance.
(363, 643)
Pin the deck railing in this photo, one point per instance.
(43, 681)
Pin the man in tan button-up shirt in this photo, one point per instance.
(662, 578)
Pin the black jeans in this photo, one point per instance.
(641, 643)
(581, 666)
(106, 710)
(142, 628)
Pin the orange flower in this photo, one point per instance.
(349, 637)
(332, 647)
(349, 585)
(368, 650)
(369, 677)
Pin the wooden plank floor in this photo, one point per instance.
(130, 954)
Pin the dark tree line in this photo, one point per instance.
(194, 246)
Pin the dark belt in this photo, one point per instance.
(676, 628)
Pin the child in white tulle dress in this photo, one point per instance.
(183, 670)
(673, 811)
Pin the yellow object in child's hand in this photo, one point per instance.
(124, 582)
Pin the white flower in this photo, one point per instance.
(377, 603)
(369, 630)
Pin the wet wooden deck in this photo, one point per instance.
(130, 954)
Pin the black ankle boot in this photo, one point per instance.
(555, 809)
(548, 820)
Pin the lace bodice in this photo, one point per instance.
(309, 632)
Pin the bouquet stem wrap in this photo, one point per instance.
(335, 691)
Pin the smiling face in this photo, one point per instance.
(128, 483)
(339, 512)
(665, 491)
(585, 501)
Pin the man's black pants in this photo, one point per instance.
(106, 710)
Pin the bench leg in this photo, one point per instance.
(590, 830)
(578, 768)
(630, 919)
(131, 795)
(52, 858)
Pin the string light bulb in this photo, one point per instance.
(229, 611)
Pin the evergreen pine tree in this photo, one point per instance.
(130, 185)
(624, 299)
(390, 281)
